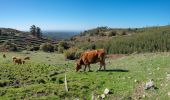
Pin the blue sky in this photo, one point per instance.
(83, 14)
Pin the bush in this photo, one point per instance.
(56, 47)
(124, 33)
(0, 31)
(64, 44)
(60, 49)
(8, 45)
(33, 48)
(113, 33)
(47, 47)
(73, 53)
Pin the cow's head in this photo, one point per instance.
(78, 65)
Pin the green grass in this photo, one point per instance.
(43, 77)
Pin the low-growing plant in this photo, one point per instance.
(33, 48)
(73, 53)
(60, 49)
(8, 45)
(47, 47)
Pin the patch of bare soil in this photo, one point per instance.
(139, 92)
(115, 56)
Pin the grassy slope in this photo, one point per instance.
(43, 77)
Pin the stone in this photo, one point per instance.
(106, 91)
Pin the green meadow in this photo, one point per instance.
(42, 77)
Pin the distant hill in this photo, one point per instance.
(60, 35)
(23, 40)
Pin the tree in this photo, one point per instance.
(33, 30)
(0, 31)
(38, 32)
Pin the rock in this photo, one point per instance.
(103, 96)
(106, 91)
(149, 85)
(135, 81)
(168, 93)
(143, 96)
(168, 76)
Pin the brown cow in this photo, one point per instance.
(18, 61)
(13, 58)
(91, 57)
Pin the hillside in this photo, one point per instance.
(126, 41)
(21, 39)
(103, 33)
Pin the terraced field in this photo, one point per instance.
(23, 41)
(43, 77)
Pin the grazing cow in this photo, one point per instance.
(4, 56)
(18, 61)
(27, 58)
(91, 57)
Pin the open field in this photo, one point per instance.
(43, 77)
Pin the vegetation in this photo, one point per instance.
(0, 32)
(73, 53)
(43, 77)
(8, 45)
(47, 47)
(35, 31)
(22, 40)
(142, 40)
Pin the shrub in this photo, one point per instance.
(113, 33)
(47, 47)
(56, 47)
(0, 31)
(8, 45)
(73, 53)
(64, 44)
(124, 33)
(60, 49)
(33, 48)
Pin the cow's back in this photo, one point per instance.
(93, 56)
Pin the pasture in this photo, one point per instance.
(42, 77)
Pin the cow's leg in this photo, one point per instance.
(89, 68)
(100, 66)
(104, 65)
(85, 67)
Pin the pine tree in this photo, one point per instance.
(33, 30)
(38, 32)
